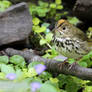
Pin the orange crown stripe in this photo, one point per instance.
(61, 21)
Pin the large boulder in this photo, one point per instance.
(83, 10)
(15, 24)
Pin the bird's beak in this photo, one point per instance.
(54, 30)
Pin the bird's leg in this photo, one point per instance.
(63, 63)
(75, 63)
(66, 62)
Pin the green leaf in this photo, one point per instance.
(59, 7)
(87, 59)
(39, 29)
(4, 59)
(54, 80)
(35, 28)
(42, 4)
(54, 52)
(53, 5)
(73, 20)
(4, 4)
(42, 29)
(32, 64)
(58, 16)
(42, 11)
(45, 75)
(71, 60)
(90, 28)
(72, 86)
(7, 69)
(83, 64)
(46, 24)
(87, 89)
(32, 8)
(36, 21)
(49, 37)
(43, 41)
(2, 76)
(58, 1)
(31, 72)
(70, 83)
(51, 53)
(46, 55)
(48, 88)
(19, 74)
(16, 59)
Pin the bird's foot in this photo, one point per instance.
(72, 65)
(61, 64)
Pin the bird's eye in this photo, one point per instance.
(64, 28)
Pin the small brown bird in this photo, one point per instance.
(70, 41)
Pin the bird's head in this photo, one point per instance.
(62, 27)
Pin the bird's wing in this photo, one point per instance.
(85, 48)
(79, 34)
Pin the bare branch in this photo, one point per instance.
(52, 65)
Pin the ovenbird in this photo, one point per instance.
(70, 41)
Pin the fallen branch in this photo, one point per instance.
(52, 65)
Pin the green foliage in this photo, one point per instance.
(7, 68)
(50, 84)
(4, 59)
(36, 21)
(39, 29)
(83, 64)
(45, 76)
(87, 60)
(88, 89)
(46, 10)
(18, 60)
(51, 53)
(58, 2)
(48, 88)
(72, 84)
(73, 20)
(39, 10)
(42, 13)
(33, 64)
(4, 5)
(31, 72)
(47, 39)
(71, 60)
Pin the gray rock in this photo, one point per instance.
(83, 10)
(15, 24)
